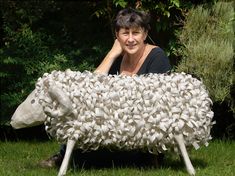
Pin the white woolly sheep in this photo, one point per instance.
(153, 112)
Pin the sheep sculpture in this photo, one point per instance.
(153, 112)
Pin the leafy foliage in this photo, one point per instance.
(25, 57)
(43, 36)
(207, 51)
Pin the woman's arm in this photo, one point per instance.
(107, 62)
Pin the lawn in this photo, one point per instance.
(21, 158)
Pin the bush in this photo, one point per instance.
(39, 37)
(206, 51)
(207, 48)
(25, 57)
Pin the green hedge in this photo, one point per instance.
(207, 41)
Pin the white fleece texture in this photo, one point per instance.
(127, 112)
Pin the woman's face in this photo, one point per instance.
(131, 39)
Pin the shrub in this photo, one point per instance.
(25, 57)
(207, 49)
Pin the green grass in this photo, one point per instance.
(21, 158)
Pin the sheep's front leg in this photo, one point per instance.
(65, 163)
(180, 141)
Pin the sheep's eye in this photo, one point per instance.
(32, 101)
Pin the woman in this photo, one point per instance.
(129, 55)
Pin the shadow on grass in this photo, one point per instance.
(7, 133)
(178, 164)
(129, 159)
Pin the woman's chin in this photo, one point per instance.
(131, 50)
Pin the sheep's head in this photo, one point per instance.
(29, 113)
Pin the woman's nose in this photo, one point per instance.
(130, 38)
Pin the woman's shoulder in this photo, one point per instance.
(154, 49)
(156, 61)
(155, 52)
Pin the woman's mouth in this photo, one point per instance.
(130, 46)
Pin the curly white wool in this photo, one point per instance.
(128, 112)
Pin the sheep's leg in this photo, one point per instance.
(180, 141)
(65, 163)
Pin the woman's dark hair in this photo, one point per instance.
(129, 18)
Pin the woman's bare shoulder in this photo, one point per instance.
(150, 47)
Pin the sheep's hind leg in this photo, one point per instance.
(65, 163)
(180, 141)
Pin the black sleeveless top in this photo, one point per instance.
(155, 62)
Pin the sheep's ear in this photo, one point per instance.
(29, 113)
